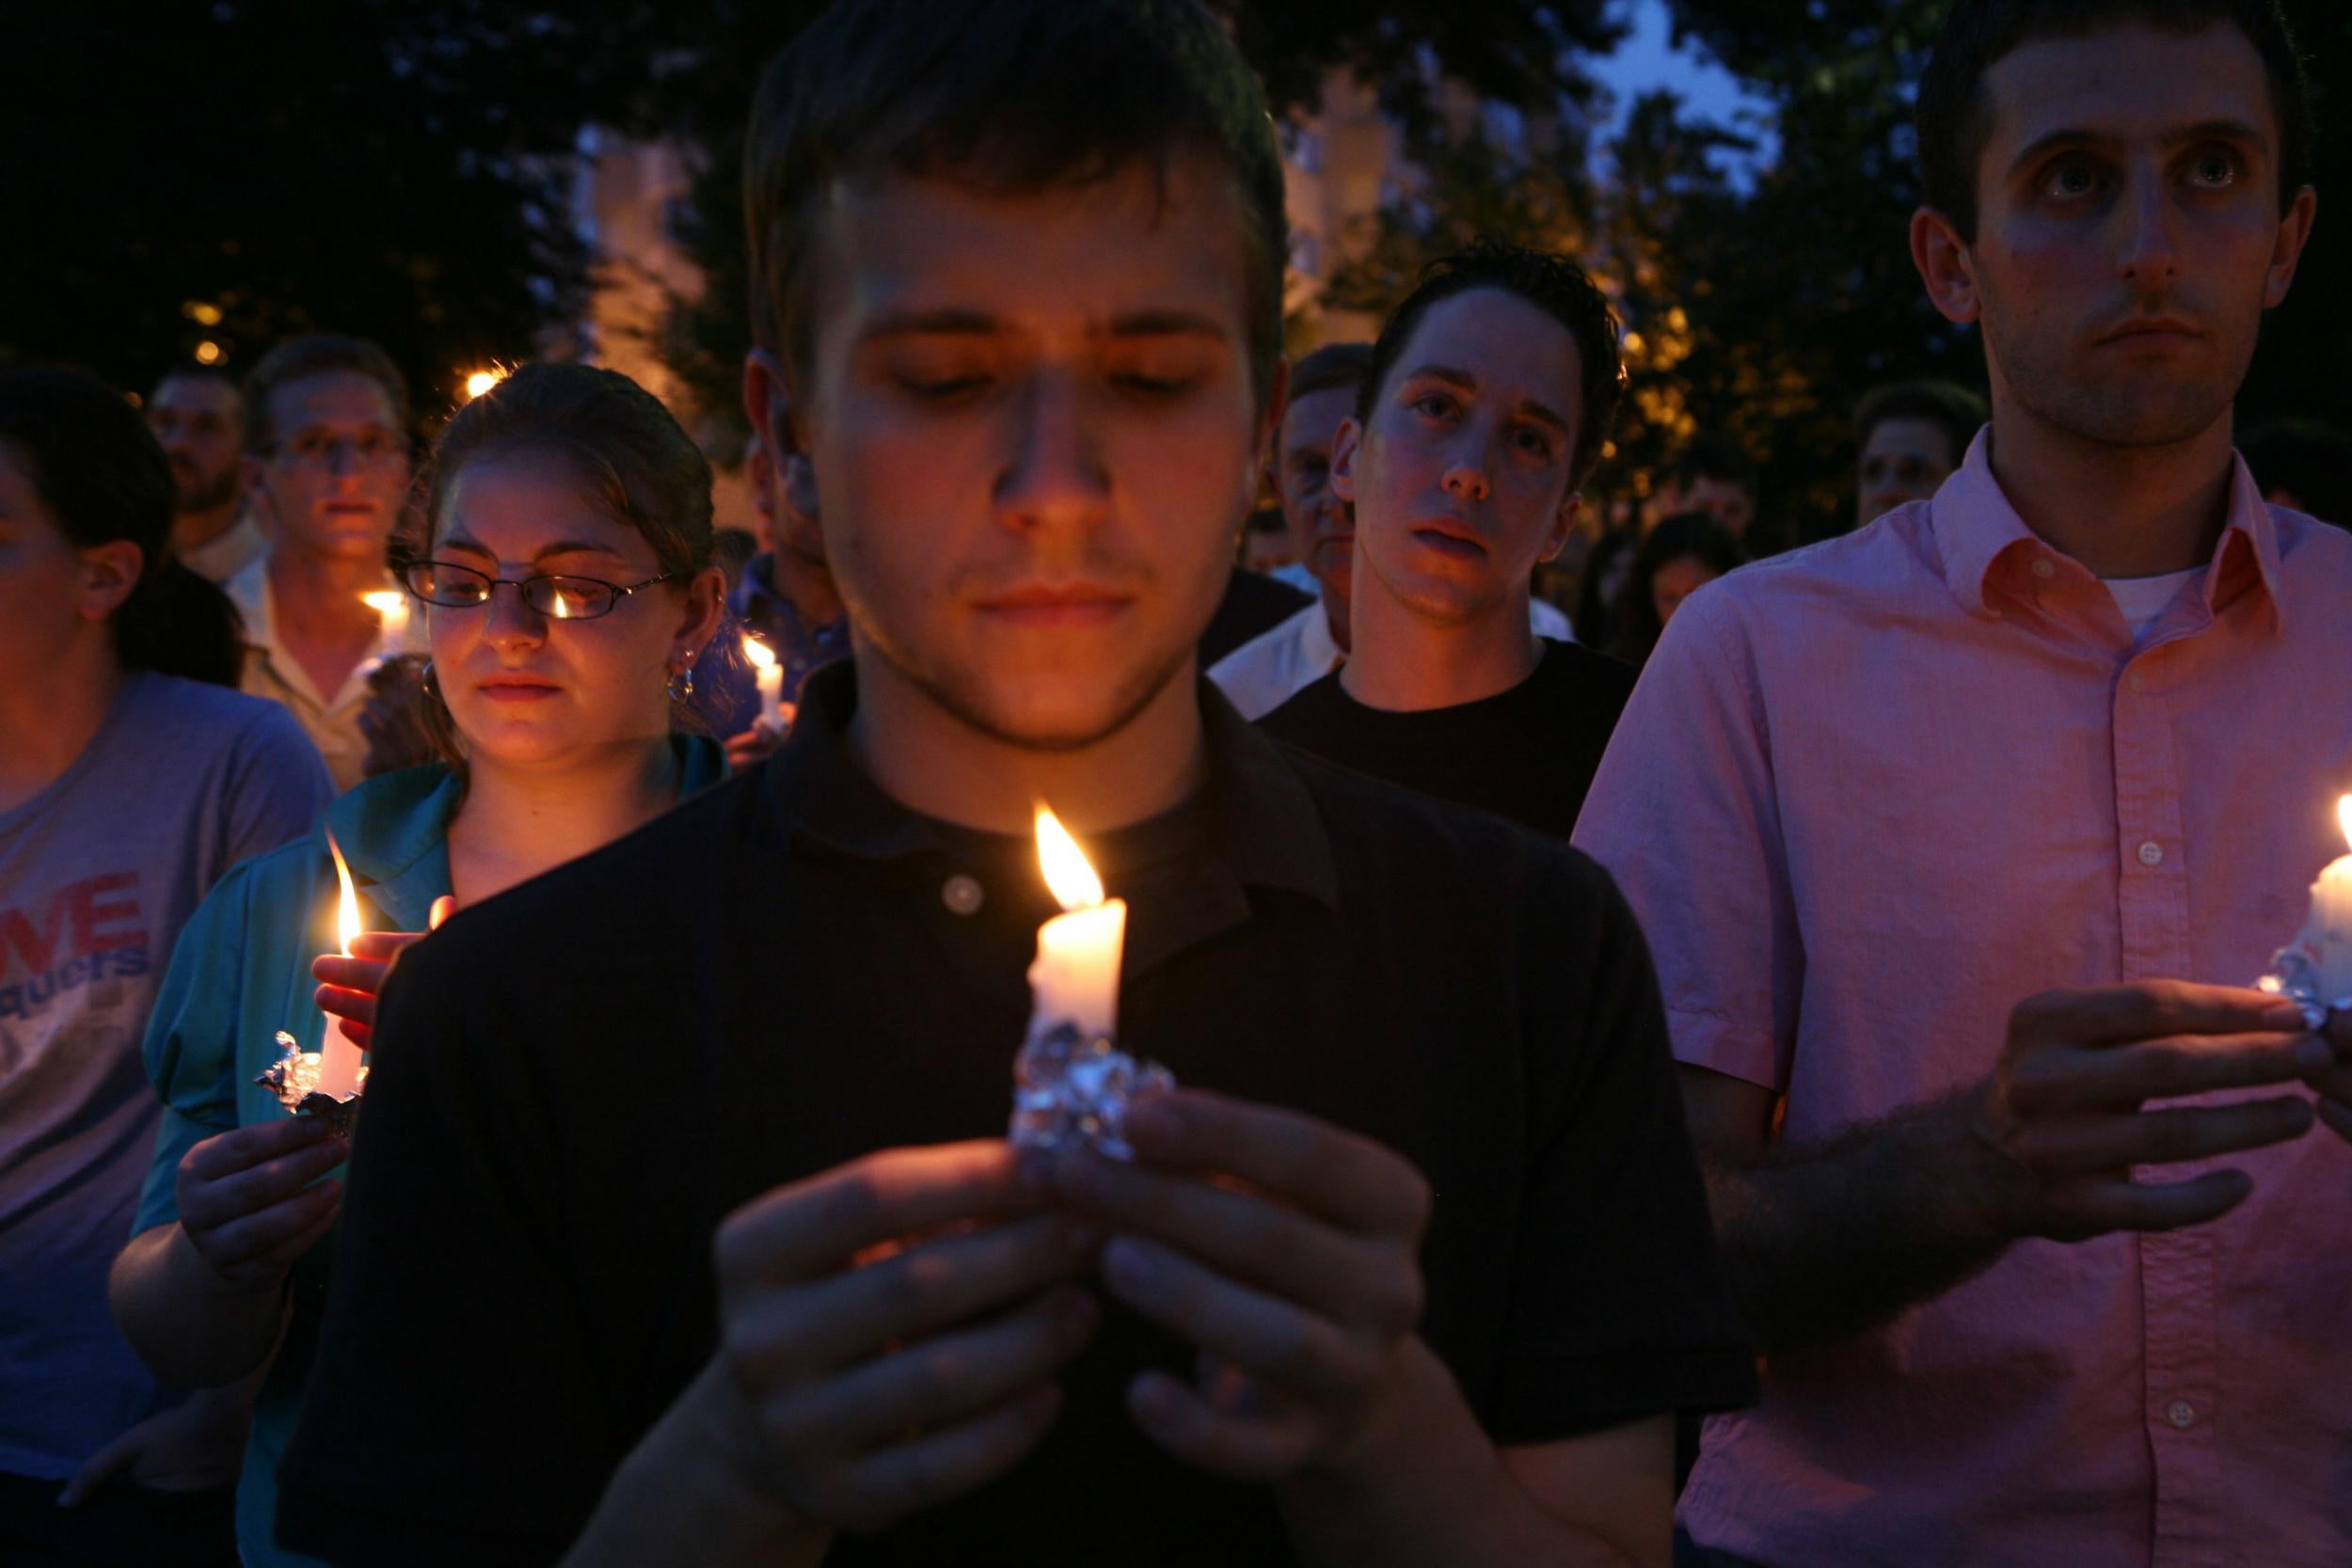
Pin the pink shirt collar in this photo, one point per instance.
(1989, 552)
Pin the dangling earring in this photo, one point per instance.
(681, 684)
(427, 679)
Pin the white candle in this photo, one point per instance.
(338, 1055)
(2325, 940)
(1075, 977)
(391, 613)
(771, 677)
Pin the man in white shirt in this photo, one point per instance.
(328, 448)
(1263, 673)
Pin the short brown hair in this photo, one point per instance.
(1951, 120)
(1954, 409)
(1015, 96)
(1332, 368)
(1552, 284)
(317, 355)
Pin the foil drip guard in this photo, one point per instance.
(293, 1078)
(1069, 1087)
(2294, 974)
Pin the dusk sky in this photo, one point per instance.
(1647, 60)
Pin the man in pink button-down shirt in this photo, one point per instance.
(1958, 841)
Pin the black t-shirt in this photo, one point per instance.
(579, 1079)
(1528, 753)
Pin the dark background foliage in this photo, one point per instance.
(394, 167)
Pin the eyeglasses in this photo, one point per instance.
(557, 599)
(315, 449)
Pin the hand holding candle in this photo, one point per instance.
(2315, 969)
(349, 987)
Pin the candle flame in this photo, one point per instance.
(1074, 882)
(481, 380)
(347, 903)
(761, 656)
(384, 601)
(2343, 814)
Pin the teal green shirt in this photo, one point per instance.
(240, 973)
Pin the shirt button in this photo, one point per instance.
(2042, 568)
(2151, 854)
(2182, 1414)
(961, 893)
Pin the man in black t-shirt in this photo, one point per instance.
(1490, 391)
(683, 1229)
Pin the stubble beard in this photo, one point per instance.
(972, 709)
(963, 693)
(2154, 409)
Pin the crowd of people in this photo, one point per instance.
(1764, 1070)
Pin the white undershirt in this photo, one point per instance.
(2143, 599)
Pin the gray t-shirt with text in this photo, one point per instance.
(98, 872)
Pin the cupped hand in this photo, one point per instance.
(2064, 1117)
(2324, 1061)
(890, 1331)
(348, 987)
(251, 1202)
(1287, 1250)
(760, 741)
(194, 1447)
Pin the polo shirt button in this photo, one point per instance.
(2151, 854)
(961, 893)
(2182, 1414)
(2042, 568)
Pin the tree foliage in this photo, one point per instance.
(236, 172)
(397, 169)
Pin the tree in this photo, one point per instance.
(232, 173)
(1509, 52)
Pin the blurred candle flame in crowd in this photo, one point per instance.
(2343, 814)
(481, 380)
(763, 658)
(1071, 879)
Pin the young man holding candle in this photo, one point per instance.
(1490, 391)
(1961, 840)
(1415, 1272)
(327, 450)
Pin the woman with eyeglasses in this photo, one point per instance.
(565, 569)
